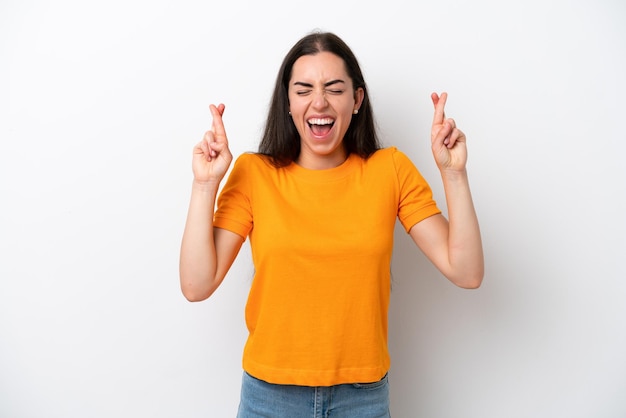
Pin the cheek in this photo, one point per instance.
(345, 106)
(296, 107)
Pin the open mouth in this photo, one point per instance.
(321, 126)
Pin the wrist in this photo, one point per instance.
(209, 186)
(454, 175)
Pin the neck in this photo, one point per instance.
(321, 162)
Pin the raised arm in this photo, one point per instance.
(206, 252)
(454, 246)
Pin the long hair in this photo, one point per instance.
(281, 141)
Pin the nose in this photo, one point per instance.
(319, 99)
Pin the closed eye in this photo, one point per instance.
(307, 88)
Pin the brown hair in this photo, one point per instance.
(280, 140)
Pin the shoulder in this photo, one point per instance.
(250, 157)
(396, 163)
(253, 161)
(389, 155)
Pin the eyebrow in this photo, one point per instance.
(327, 84)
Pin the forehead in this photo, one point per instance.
(322, 66)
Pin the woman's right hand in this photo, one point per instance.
(211, 156)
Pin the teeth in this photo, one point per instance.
(325, 121)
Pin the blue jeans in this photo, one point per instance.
(358, 400)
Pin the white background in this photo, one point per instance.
(102, 102)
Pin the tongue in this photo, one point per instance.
(320, 130)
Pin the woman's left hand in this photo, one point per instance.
(447, 142)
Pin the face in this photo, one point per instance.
(322, 101)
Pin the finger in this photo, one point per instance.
(218, 124)
(435, 98)
(208, 136)
(201, 150)
(206, 149)
(456, 136)
(218, 148)
(443, 134)
(439, 102)
(451, 139)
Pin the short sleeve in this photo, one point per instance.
(416, 201)
(234, 211)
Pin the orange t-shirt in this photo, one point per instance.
(321, 245)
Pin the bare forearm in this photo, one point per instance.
(198, 259)
(464, 241)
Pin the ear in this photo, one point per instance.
(359, 95)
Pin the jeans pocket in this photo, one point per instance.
(373, 385)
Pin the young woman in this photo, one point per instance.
(319, 202)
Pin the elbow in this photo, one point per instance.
(470, 283)
(196, 284)
(474, 281)
(469, 280)
(194, 296)
(194, 293)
